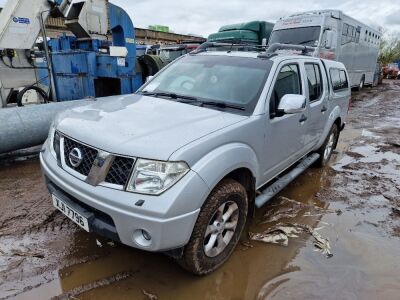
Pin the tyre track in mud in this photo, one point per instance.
(368, 175)
(28, 225)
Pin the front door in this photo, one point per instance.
(285, 135)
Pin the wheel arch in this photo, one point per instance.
(338, 123)
(246, 178)
(335, 117)
(236, 161)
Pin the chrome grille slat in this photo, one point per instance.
(120, 171)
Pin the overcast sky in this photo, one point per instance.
(206, 16)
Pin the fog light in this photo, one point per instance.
(142, 238)
(146, 235)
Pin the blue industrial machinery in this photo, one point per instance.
(97, 60)
(87, 68)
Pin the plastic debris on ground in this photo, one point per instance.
(280, 234)
(150, 296)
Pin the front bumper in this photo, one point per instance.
(169, 218)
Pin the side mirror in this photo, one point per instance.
(148, 78)
(329, 36)
(292, 104)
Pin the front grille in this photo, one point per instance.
(120, 171)
(88, 155)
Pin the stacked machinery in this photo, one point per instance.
(99, 60)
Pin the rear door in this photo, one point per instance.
(317, 93)
(285, 135)
(340, 89)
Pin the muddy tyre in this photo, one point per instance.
(361, 85)
(327, 148)
(217, 229)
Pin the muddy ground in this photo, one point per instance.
(354, 204)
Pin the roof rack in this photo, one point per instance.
(266, 51)
(271, 50)
(230, 46)
(275, 47)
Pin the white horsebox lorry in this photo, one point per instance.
(335, 36)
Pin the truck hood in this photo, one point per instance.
(141, 126)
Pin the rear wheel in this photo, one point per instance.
(217, 230)
(327, 148)
(361, 85)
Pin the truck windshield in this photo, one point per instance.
(299, 36)
(171, 54)
(228, 82)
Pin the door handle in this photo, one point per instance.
(324, 109)
(303, 119)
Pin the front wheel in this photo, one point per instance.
(217, 230)
(327, 148)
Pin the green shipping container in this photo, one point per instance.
(244, 33)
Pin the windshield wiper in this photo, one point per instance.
(169, 95)
(222, 105)
(193, 100)
(305, 42)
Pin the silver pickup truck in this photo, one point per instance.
(179, 166)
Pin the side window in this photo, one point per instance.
(339, 79)
(287, 82)
(343, 79)
(335, 79)
(314, 79)
(358, 35)
(350, 34)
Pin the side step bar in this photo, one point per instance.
(282, 182)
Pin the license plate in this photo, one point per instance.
(71, 213)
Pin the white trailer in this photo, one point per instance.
(335, 36)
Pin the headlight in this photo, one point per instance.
(154, 177)
(54, 142)
(52, 133)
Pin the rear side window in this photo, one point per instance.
(288, 82)
(339, 79)
(343, 79)
(314, 80)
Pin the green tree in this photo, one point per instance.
(389, 50)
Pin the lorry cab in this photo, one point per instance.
(334, 36)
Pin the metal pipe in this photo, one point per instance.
(24, 127)
(48, 58)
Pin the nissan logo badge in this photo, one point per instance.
(75, 157)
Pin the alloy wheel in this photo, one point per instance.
(329, 146)
(221, 229)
